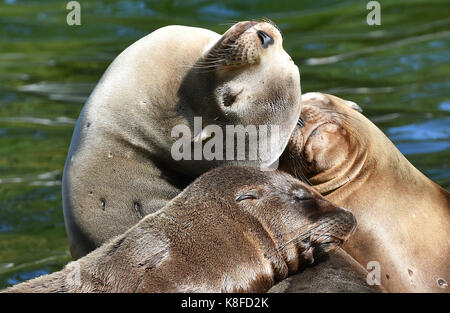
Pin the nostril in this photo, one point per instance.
(266, 40)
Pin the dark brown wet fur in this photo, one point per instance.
(339, 273)
(234, 229)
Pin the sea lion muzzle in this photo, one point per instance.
(266, 40)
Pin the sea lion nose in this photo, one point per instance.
(346, 220)
(266, 39)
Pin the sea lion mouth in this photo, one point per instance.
(327, 234)
(326, 243)
(315, 248)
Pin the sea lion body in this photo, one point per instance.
(339, 273)
(403, 217)
(233, 229)
(120, 166)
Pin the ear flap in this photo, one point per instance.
(249, 195)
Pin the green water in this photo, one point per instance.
(398, 72)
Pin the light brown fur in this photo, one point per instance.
(403, 217)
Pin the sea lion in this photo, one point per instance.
(120, 168)
(403, 217)
(234, 229)
(339, 273)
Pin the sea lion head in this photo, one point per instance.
(327, 138)
(247, 78)
(301, 224)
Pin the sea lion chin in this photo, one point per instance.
(234, 229)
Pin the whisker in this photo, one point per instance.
(229, 24)
(301, 235)
(299, 166)
(269, 21)
(314, 230)
(208, 63)
(324, 232)
(232, 22)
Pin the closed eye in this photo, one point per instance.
(246, 196)
(302, 195)
(305, 198)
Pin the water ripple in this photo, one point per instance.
(71, 92)
(58, 121)
(431, 130)
(44, 179)
(380, 48)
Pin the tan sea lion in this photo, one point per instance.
(233, 229)
(403, 217)
(119, 167)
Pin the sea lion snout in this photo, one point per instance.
(342, 222)
(247, 79)
(320, 226)
(333, 223)
(317, 209)
(244, 43)
(330, 230)
(266, 40)
(305, 226)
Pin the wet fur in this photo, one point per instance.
(205, 240)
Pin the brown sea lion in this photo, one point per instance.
(120, 165)
(339, 273)
(233, 229)
(403, 217)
